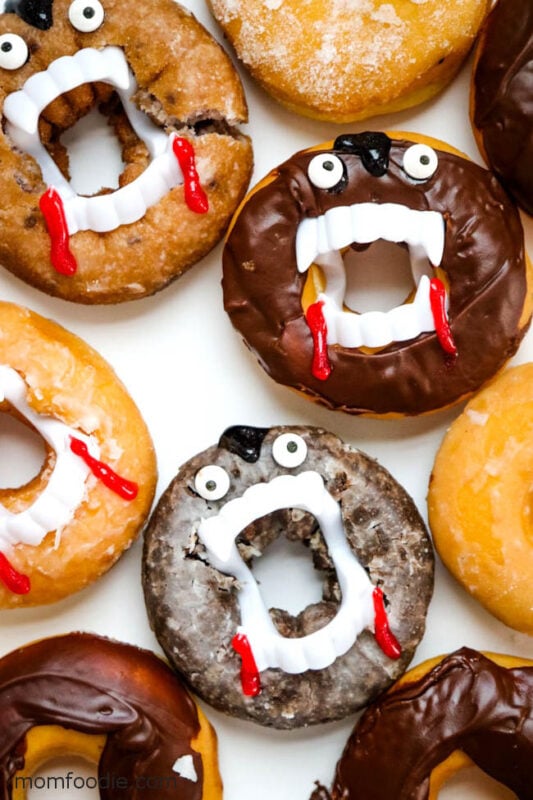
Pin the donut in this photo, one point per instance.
(114, 704)
(364, 533)
(341, 61)
(479, 498)
(173, 100)
(71, 522)
(463, 709)
(288, 263)
(501, 97)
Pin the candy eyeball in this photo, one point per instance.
(325, 171)
(289, 450)
(212, 482)
(420, 162)
(13, 51)
(86, 15)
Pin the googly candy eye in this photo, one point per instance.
(86, 15)
(420, 162)
(325, 171)
(13, 51)
(289, 450)
(212, 482)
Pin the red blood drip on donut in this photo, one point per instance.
(321, 368)
(250, 681)
(52, 209)
(124, 488)
(384, 636)
(437, 299)
(195, 197)
(13, 580)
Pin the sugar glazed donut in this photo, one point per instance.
(479, 498)
(442, 716)
(343, 61)
(501, 97)
(72, 521)
(172, 97)
(223, 509)
(111, 703)
(285, 278)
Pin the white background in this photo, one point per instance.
(191, 376)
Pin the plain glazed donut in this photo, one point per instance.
(69, 524)
(285, 277)
(479, 498)
(468, 708)
(501, 112)
(111, 703)
(343, 61)
(223, 509)
(173, 99)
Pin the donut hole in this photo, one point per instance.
(94, 154)
(475, 784)
(75, 778)
(23, 453)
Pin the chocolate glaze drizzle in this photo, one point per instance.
(466, 703)
(98, 686)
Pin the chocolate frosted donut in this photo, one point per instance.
(466, 703)
(153, 735)
(502, 112)
(285, 279)
(223, 509)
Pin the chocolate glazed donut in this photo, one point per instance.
(220, 513)
(467, 258)
(501, 97)
(467, 703)
(97, 686)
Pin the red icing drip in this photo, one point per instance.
(384, 636)
(437, 299)
(195, 197)
(13, 580)
(124, 488)
(52, 209)
(250, 681)
(321, 368)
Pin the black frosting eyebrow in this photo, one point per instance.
(243, 440)
(373, 147)
(37, 13)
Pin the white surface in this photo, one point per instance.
(191, 377)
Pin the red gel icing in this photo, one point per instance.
(195, 197)
(437, 299)
(250, 681)
(52, 209)
(384, 636)
(124, 488)
(321, 368)
(13, 580)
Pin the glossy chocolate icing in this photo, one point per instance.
(483, 260)
(98, 686)
(466, 703)
(503, 96)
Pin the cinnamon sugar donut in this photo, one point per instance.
(173, 99)
(69, 524)
(343, 61)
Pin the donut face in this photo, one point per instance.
(501, 95)
(223, 509)
(59, 60)
(95, 686)
(285, 279)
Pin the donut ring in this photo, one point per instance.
(342, 62)
(440, 717)
(69, 524)
(111, 703)
(479, 498)
(501, 97)
(284, 276)
(172, 97)
(225, 506)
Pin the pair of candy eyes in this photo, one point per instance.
(212, 482)
(84, 15)
(326, 171)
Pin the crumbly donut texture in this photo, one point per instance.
(185, 85)
(479, 498)
(193, 607)
(69, 382)
(343, 60)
